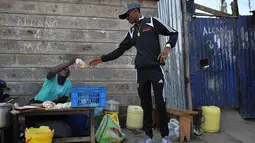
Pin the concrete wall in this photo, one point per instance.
(38, 34)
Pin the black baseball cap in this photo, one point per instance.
(130, 7)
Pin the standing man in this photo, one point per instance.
(144, 35)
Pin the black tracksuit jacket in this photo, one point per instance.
(147, 44)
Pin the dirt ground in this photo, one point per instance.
(233, 129)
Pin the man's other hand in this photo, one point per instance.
(164, 55)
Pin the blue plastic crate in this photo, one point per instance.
(88, 96)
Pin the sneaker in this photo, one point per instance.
(146, 140)
(166, 140)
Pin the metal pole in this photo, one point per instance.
(221, 6)
(186, 54)
(235, 11)
(234, 7)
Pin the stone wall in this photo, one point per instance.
(38, 34)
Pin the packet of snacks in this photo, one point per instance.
(79, 63)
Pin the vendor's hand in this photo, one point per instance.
(61, 99)
(73, 59)
(95, 62)
(164, 55)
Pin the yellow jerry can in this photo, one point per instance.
(211, 119)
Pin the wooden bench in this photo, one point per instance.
(185, 121)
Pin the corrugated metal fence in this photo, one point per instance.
(246, 62)
(227, 45)
(211, 41)
(170, 12)
(214, 39)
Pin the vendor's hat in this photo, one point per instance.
(129, 8)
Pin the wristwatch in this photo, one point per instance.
(168, 45)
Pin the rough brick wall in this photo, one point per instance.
(38, 34)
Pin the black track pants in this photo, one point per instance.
(145, 78)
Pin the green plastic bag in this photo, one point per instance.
(109, 131)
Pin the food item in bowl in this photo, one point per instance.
(63, 105)
(80, 63)
(67, 105)
(48, 104)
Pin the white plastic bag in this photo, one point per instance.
(174, 127)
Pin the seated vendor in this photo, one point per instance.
(56, 87)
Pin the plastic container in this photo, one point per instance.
(112, 105)
(98, 111)
(88, 96)
(134, 117)
(114, 116)
(211, 123)
(5, 115)
(39, 135)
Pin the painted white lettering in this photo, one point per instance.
(40, 24)
(48, 48)
(38, 49)
(214, 30)
(210, 44)
(54, 23)
(25, 22)
(20, 23)
(205, 32)
(31, 23)
(28, 47)
(37, 35)
(48, 24)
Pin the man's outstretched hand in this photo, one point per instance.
(95, 62)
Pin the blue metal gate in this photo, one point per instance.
(230, 59)
(211, 42)
(246, 62)
(228, 47)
